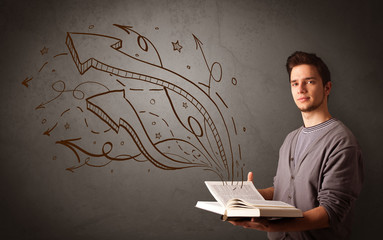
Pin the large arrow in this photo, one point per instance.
(102, 52)
(123, 115)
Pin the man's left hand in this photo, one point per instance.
(260, 224)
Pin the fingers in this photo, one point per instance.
(258, 224)
(262, 222)
(239, 223)
(250, 176)
(254, 223)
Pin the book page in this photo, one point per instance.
(224, 191)
(239, 203)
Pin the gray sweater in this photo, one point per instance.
(329, 173)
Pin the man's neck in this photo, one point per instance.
(315, 117)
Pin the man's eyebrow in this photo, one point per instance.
(308, 78)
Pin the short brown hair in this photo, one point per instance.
(299, 58)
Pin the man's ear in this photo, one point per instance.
(327, 88)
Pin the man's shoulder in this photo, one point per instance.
(294, 132)
(291, 135)
(340, 132)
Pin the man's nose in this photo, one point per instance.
(301, 88)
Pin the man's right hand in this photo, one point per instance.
(267, 193)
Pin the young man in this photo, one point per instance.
(320, 169)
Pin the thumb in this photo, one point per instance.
(250, 176)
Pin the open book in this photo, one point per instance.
(242, 200)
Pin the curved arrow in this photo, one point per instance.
(49, 130)
(116, 119)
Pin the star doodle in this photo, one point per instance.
(67, 126)
(185, 105)
(44, 50)
(158, 135)
(177, 46)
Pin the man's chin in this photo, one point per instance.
(308, 109)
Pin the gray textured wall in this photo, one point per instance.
(49, 193)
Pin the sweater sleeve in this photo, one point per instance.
(342, 182)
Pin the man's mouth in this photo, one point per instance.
(303, 99)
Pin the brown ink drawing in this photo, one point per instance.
(173, 122)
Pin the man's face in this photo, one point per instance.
(307, 88)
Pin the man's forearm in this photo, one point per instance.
(315, 218)
(312, 219)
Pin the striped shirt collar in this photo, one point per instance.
(319, 126)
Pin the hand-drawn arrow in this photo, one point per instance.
(56, 89)
(199, 45)
(76, 149)
(102, 53)
(26, 80)
(49, 130)
(126, 117)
